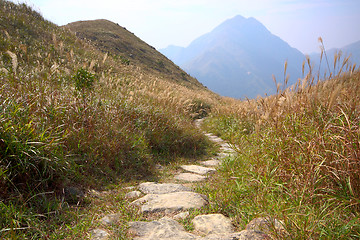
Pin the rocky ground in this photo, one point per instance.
(172, 202)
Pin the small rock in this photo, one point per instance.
(198, 169)
(110, 219)
(99, 234)
(163, 229)
(159, 167)
(97, 194)
(170, 202)
(210, 163)
(190, 177)
(181, 216)
(162, 188)
(243, 235)
(133, 194)
(213, 224)
(266, 225)
(73, 194)
(225, 155)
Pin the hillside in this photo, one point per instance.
(74, 118)
(93, 146)
(124, 45)
(238, 59)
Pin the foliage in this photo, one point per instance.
(119, 124)
(199, 109)
(84, 80)
(298, 158)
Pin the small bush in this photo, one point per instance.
(84, 80)
(199, 109)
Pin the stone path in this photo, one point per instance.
(174, 200)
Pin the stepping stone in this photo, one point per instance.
(163, 229)
(226, 149)
(170, 202)
(190, 177)
(243, 235)
(213, 224)
(198, 169)
(162, 188)
(99, 234)
(211, 163)
(215, 139)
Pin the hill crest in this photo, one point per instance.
(110, 37)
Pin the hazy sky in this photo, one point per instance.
(178, 22)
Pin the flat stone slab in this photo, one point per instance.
(170, 202)
(211, 163)
(213, 224)
(227, 149)
(190, 177)
(198, 169)
(162, 188)
(163, 229)
(222, 155)
(215, 138)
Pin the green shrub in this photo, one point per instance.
(83, 80)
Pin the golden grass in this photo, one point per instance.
(302, 146)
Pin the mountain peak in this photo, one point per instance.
(240, 24)
(238, 58)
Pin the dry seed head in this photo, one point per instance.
(7, 35)
(61, 47)
(334, 95)
(105, 57)
(14, 61)
(4, 70)
(54, 39)
(92, 64)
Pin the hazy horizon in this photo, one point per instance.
(161, 23)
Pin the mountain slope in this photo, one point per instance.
(352, 51)
(119, 42)
(238, 58)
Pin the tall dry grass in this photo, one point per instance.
(299, 152)
(71, 115)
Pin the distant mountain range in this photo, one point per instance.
(239, 57)
(351, 50)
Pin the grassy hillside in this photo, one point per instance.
(124, 45)
(73, 116)
(299, 158)
(101, 114)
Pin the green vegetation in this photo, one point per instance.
(298, 158)
(72, 116)
(75, 114)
